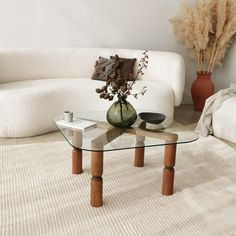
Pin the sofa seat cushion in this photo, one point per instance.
(224, 122)
(28, 107)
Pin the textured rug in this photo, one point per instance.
(39, 196)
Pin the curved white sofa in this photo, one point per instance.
(36, 84)
(224, 122)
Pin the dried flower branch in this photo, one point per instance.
(122, 87)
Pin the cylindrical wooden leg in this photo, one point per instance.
(139, 157)
(168, 171)
(96, 191)
(168, 181)
(96, 181)
(76, 161)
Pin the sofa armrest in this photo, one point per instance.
(169, 68)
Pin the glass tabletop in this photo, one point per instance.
(90, 131)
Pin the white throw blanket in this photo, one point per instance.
(204, 126)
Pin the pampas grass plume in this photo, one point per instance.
(207, 29)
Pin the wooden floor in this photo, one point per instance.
(184, 115)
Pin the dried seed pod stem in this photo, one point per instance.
(121, 87)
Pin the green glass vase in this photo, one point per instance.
(121, 113)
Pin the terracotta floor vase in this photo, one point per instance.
(202, 88)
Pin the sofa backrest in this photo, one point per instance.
(40, 63)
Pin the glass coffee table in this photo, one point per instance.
(101, 137)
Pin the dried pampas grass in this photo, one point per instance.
(208, 29)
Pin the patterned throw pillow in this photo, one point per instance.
(103, 68)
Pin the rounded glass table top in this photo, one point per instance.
(90, 131)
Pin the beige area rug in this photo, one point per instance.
(39, 196)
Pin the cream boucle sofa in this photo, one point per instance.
(224, 120)
(36, 84)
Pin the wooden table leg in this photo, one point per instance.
(96, 180)
(139, 157)
(168, 171)
(76, 161)
(139, 150)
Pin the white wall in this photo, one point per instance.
(101, 23)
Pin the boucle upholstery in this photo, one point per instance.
(38, 84)
(224, 122)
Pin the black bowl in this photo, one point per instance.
(152, 118)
